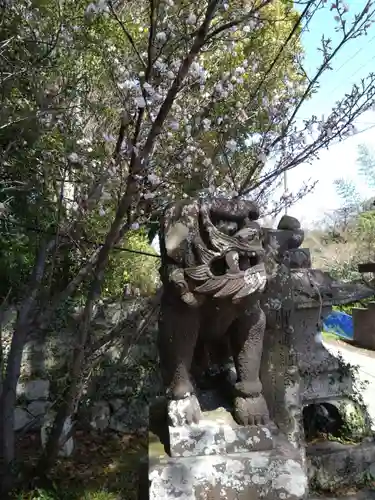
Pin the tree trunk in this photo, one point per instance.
(13, 367)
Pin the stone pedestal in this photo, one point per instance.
(218, 459)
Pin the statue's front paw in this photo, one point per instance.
(184, 411)
(251, 410)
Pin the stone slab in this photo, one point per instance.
(360, 495)
(216, 434)
(268, 475)
(332, 465)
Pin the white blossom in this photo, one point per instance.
(262, 157)
(106, 196)
(148, 88)
(219, 88)
(160, 66)
(149, 196)
(134, 226)
(101, 211)
(140, 102)
(130, 84)
(91, 9)
(231, 145)
(102, 6)
(161, 37)
(206, 122)
(192, 19)
(174, 125)
(154, 179)
(73, 157)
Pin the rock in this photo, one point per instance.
(371, 470)
(37, 408)
(34, 360)
(34, 389)
(21, 418)
(116, 404)
(100, 415)
(131, 418)
(113, 313)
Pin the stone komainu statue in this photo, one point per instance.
(213, 272)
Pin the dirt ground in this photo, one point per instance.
(101, 462)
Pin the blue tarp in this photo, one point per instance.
(340, 323)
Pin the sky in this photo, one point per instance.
(355, 61)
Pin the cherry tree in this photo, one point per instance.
(206, 103)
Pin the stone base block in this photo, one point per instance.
(260, 475)
(216, 434)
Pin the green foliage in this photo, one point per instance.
(366, 161)
(348, 193)
(126, 268)
(345, 270)
(348, 308)
(354, 222)
(365, 234)
(62, 494)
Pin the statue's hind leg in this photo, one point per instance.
(178, 333)
(246, 335)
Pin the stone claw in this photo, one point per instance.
(184, 411)
(251, 411)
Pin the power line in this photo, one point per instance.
(350, 58)
(353, 74)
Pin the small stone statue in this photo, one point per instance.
(213, 272)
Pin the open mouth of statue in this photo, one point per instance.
(236, 274)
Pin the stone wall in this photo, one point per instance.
(122, 375)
